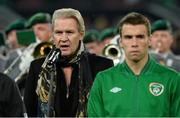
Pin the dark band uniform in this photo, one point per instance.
(11, 104)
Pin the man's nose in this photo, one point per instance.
(64, 37)
(134, 42)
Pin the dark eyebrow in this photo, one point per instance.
(69, 31)
(58, 31)
(128, 36)
(140, 36)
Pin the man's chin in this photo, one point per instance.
(135, 59)
(64, 54)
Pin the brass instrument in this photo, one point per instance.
(42, 49)
(113, 51)
(21, 64)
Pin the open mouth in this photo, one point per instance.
(64, 47)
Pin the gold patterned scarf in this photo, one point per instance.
(47, 79)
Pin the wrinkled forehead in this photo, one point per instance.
(73, 20)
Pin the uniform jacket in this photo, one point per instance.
(64, 107)
(11, 104)
(168, 59)
(117, 92)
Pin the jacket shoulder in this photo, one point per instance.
(97, 58)
(5, 79)
(164, 70)
(38, 61)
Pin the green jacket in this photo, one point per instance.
(118, 92)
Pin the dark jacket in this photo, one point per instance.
(11, 103)
(64, 107)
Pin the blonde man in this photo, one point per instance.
(76, 70)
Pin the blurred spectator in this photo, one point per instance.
(11, 30)
(91, 41)
(107, 35)
(13, 61)
(161, 42)
(11, 38)
(41, 25)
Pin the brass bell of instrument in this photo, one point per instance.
(42, 49)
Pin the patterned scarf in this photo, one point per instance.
(85, 83)
(46, 87)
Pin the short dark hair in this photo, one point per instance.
(135, 18)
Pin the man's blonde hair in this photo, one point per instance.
(69, 13)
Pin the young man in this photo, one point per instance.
(139, 87)
(76, 70)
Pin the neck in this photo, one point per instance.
(67, 73)
(137, 66)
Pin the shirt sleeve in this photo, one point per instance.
(95, 101)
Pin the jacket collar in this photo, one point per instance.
(146, 69)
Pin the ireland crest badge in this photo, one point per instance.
(156, 88)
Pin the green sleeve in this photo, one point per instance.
(95, 102)
(175, 98)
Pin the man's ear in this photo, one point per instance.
(82, 35)
(172, 40)
(149, 40)
(120, 43)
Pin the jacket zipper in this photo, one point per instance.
(67, 92)
(137, 92)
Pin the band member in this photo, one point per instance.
(11, 104)
(91, 41)
(40, 23)
(161, 42)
